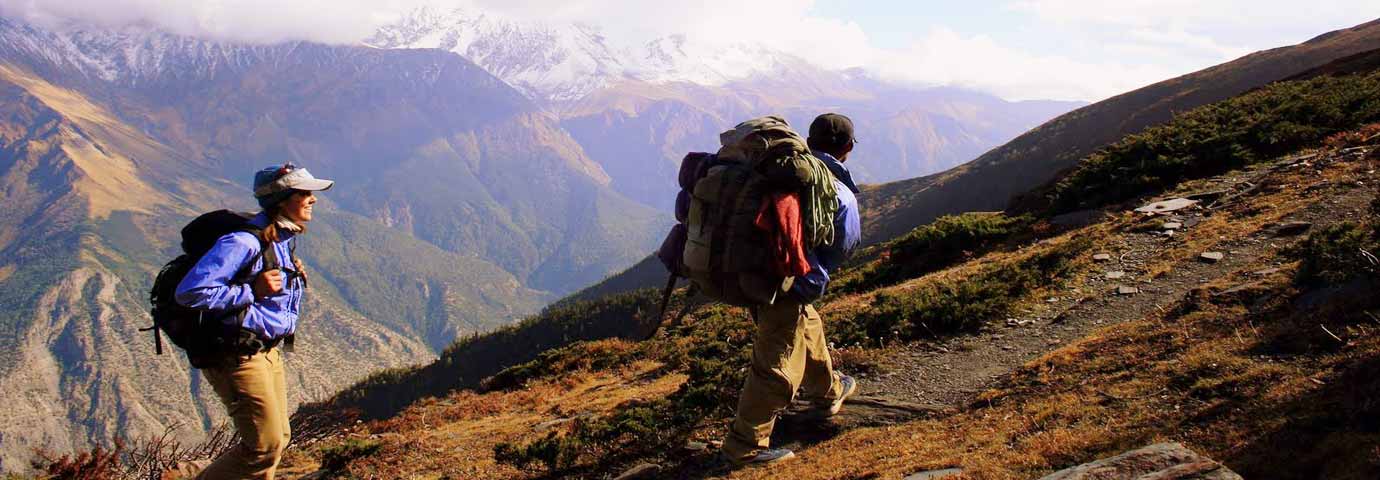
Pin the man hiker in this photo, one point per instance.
(789, 351)
(248, 373)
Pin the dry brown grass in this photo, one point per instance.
(1239, 377)
(454, 436)
(1197, 378)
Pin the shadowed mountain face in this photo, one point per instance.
(990, 181)
(640, 132)
(460, 206)
(638, 109)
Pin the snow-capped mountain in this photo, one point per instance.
(565, 62)
(128, 56)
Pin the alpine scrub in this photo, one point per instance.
(1277, 119)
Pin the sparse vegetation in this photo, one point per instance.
(947, 241)
(336, 456)
(1337, 254)
(468, 361)
(954, 305)
(1275, 120)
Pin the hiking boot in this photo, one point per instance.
(850, 385)
(764, 457)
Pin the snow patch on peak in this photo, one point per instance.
(566, 62)
(131, 55)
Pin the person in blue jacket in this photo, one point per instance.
(250, 380)
(789, 352)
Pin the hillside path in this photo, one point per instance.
(951, 372)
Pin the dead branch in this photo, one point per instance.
(1370, 257)
(1330, 334)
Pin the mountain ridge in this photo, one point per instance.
(990, 181)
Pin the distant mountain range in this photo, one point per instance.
(637, 109)
(473, 188)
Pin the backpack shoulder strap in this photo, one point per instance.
(266, 251)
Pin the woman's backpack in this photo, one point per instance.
(202, 334)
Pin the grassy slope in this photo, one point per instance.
(706, 349)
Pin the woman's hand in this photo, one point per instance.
(301, 270)
(268, 283)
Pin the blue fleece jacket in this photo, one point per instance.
(847, 235)
(218, 283)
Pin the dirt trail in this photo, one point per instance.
(952, 372)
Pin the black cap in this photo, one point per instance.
(832, 129)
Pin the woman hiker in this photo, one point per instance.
(250, 380)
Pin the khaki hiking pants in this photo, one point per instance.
(255, 395)
(788, 353)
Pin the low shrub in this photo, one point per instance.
(1337, 254)
(589, 355)
(945, 242)
(1275, 120)
(956, 305)
(337, 456)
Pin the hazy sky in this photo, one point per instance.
(1018, 49)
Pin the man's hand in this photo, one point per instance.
(268, 283)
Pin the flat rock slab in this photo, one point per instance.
(1212, 257)
(802, 425)
(1123, 290)
(646, 471)
(1172, 226)
(1292, 228)
(1115, 275)
(1164, 461)
(1102, 257)
(935, 474)
(1168, 206)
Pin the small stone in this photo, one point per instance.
(643, 471)
(1292, 228)
(1115, 275)
(1124, 290)
(693, 446)
(934, 474)
(1172, 226)
(1212, 257)
(1169, 233)
(1102, 257)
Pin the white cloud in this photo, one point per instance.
(248, 21)
(1092, 48)
(945, 57)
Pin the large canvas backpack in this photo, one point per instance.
(717, 244)
(202, 334)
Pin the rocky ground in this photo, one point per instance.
(1144, 268)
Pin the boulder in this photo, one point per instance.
(1212, 257)
(1164, 461)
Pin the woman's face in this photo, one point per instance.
(298, 206)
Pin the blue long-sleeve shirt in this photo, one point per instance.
(847, 235)
(218, 283)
